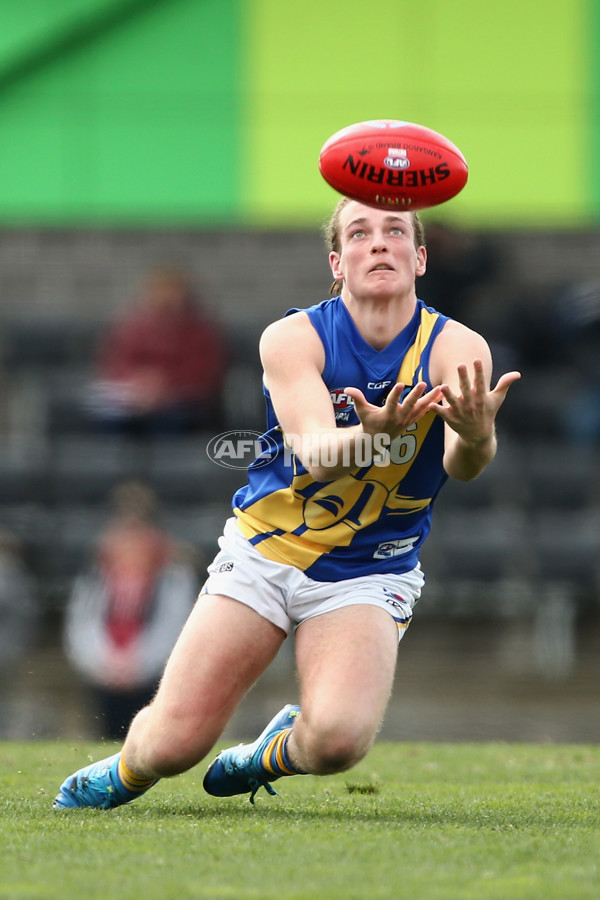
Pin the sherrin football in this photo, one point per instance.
(393, 165)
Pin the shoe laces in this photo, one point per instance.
(245, 767)
(256, 783)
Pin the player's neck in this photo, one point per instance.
(379, 319)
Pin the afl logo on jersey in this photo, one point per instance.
(343, 405)
(341, 400)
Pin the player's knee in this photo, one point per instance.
(337, 755)
(336, 748)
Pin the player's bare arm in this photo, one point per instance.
(469, 407)
(292, 358)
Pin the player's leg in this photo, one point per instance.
(222, 650)
(346, 661)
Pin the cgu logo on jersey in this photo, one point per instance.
(343, 405)
(378, 385)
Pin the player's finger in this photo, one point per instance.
(414, 394)
(393, 398)
(479, 379)
(442, 411)
(505, 381)
(463, 380)
(422, 404)
(449, 396)
(434, 395)
(358, 398)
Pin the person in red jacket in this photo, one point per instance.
(162, 366)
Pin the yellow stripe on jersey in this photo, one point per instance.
(411, 360)
(290, 549)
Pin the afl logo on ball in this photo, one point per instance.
(396, 159)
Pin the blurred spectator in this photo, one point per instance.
(161, 368)
(124, 614)
(19, 621)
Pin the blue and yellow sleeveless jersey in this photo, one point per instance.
(376, 518)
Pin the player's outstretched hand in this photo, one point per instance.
(396, 413)
(471, 413)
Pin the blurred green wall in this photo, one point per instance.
(151, 112)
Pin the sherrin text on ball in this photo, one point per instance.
(393, 164)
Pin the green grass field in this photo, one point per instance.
(431, 821)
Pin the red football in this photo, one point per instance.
(392, 164)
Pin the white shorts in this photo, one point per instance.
(286, 596)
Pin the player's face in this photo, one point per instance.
(378, 257)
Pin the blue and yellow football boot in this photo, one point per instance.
(100, 786)
(248, 767)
